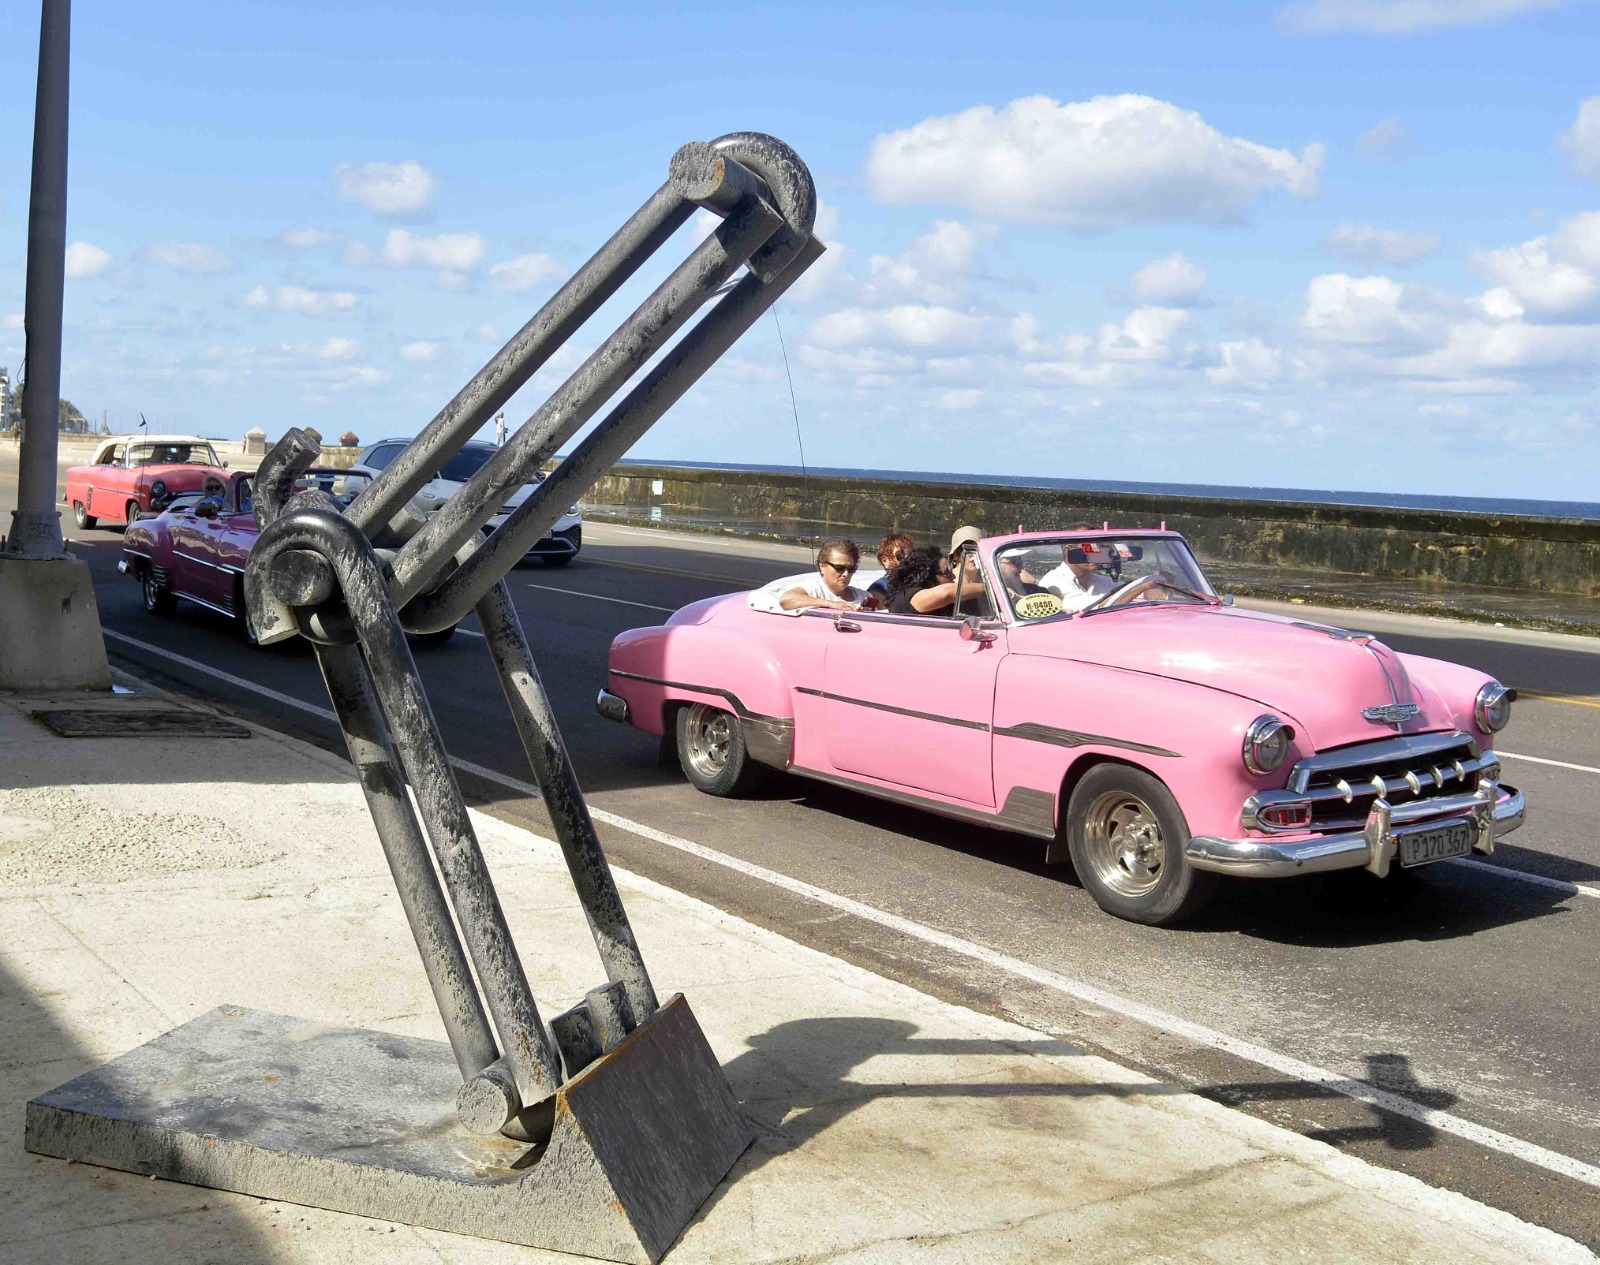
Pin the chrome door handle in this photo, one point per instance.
(846, 625)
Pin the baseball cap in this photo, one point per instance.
(964, 536)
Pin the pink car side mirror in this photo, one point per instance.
(971, 632)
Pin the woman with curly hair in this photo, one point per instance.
(922, 584)
(892, 551)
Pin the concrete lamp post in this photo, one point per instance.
(49, 624)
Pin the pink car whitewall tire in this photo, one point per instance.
(1126, 835)
(712, 751)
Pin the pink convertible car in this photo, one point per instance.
(1138, 723)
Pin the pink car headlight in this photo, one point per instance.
(1492, 708)
(1266, 743)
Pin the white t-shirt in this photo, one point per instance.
(770, 596)
(1075, 594)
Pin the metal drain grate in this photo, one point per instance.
(98, 722)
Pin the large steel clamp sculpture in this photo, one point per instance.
(603, 1133)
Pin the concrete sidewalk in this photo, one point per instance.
(144, 881)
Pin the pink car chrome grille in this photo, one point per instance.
(1341, 785)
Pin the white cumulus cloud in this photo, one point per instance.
(934, 269)
(451, 251)
(1085, 164)
(1377, 313)
(187, 257)
(404, 188)
(525, 272)
(305, 238)
(419, 353)
(1249, 364)
(1391, 247)
(1170, 282)
(1582, 139)
(1382, 138)
(1403, 17)
(960, 399)
(918, 327)
(300, 299)
(85, 259)
(1556, 276)
(332, 349)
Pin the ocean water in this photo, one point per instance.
(1323, 496)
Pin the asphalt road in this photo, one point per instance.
(1462, 991)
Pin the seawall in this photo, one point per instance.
(1511, 552)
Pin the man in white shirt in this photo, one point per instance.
(829, 585)
(1077, 582)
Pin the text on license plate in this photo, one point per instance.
(1419, 847)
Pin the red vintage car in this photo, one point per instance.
(196, 549)
(133, 476)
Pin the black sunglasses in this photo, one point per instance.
(845, 570)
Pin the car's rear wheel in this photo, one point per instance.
(1126, 835)
(434, 638)
(712, 751)
(158, 598)
(81, 516)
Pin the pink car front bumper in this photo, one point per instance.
(1490, 811)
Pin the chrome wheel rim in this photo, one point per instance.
(152, 591)
(1124, 843)
(710, 739)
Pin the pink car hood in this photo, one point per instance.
(1315, 678)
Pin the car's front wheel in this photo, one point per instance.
(158, 599)
(134, 513)
(1126, 835)
(81, 516)
(712, 751)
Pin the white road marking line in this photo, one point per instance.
(620, 601)
(1542, 880)
(467, 632)
(289, 700)
(1534, 759)
(1091, 994)
(1096, 996)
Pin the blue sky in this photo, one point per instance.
(1337, 243)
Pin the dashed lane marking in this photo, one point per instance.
(1090, 994)
(620, 601)
(1535, 759)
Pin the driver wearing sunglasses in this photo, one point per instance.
(1078, 580)
(837, 564)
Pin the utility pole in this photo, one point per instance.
(49, 623)
(35, 523)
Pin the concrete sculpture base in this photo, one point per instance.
(364, 1122)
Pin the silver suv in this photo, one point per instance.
(555, 550)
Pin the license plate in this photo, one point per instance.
(1422, 847)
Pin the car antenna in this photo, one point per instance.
(794, 405)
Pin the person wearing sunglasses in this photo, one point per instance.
(892, 551)
(1078, 580)
(837, 563)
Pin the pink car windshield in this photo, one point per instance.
(1046, 578)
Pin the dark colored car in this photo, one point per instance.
(557, 549)
(196, 550)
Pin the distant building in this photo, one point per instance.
(5, 398)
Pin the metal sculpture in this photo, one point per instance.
(604, 1132)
